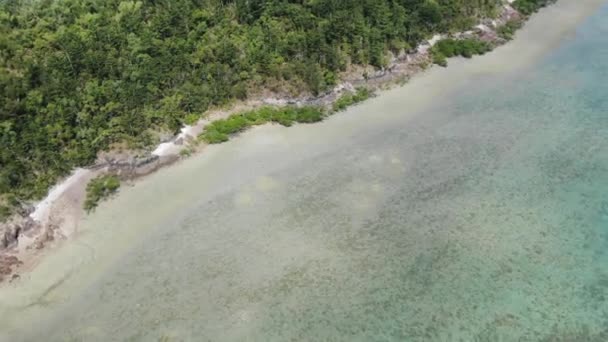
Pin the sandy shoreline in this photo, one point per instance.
(63, 206)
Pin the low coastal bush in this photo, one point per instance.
(214, 137)
(528, 7)
(8, 204)
(100, 188)
(440, 59)
(349, 99)
(5, 212)
(467, 48)
(220, 131)
(507, 31)
(309, 115)
(186, 152)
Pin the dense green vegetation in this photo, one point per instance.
(528, 7)
(349, 99)
(8, 203)
(79, 76)
(507, 31)
(219, 131)
(5, 212)
(447, 48)
(99, 189)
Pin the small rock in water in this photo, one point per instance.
(6, 265)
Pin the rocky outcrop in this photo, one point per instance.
(138, 166)
(7, 266)
(11, 231)
(10, 235)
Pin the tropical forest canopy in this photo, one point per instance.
(77, 76)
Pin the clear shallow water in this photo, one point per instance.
(481, 218)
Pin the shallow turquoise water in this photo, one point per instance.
(481, 218)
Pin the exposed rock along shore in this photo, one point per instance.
(56, 217)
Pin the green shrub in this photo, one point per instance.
(5, 212)
(507, 31)
(264, 114)
(284, 117)
(309, 114)
(8, 205)
(219, 131)
(330, 78)
(191, 119)
(440, 59)
(467, 48)
(231, 125)
(528, 7)
(343, 102)
(186, 152)
(214, 137)
(254, 117)
(362, 94)
(99, 189)
(348, 99)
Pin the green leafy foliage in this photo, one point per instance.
(528, 7)
(507, 31)
(5, 212)
(467, 48)
(77, 76)
(220, 131)
(8, 203)
(186, 152)
(349, 99)
(99, 189)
